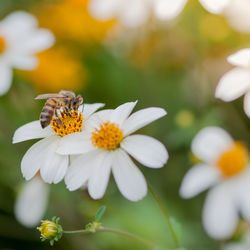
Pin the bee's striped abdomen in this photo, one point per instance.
(47, 112)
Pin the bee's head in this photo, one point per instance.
(76, 102)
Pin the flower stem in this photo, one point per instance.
(165, 214)
(116, 231)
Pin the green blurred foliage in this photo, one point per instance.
(170, 67)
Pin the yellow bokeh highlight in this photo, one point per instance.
(214, 28)
(2, 45)
(234, 160)
(58, 69)
(70, 20)
(184, 119)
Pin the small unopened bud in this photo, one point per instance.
(50, 230)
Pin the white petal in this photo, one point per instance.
(6, 78)
(247, 103)
(31, 202)
(36, 41)
(142, 118)
(236, 246)
(77, 143)
(128, 177)
(121, 113)
(104, 9)
(89, 109)
(42, 156)
(26, 62)
(135, 13)
(81, 169)
(197, 179)
(233, 84)
(32, 130)
(214, 6)
(241, 58)
(147, 150)
(210, 142)
(220, 213)
(99, 179)
(168, 9)
(18, 23)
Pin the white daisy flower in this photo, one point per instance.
(236, 82)
(31, 202)
(225, 170)
(106, 147)
(42, 155)
(20, 40)
(133, 13)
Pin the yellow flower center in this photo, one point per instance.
(2, 45)
(234, 160)
(67, 123)
(107, 137)
(48, 229)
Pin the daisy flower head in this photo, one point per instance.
(225, 170)
(133, 13)
(105, 148)
(236, 82)
(31, 202)
(20, 40)
(42, 156)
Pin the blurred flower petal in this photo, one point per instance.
(128, 177)
(247, 103)
(32, 202)
(197, 179)
(241, 58)
(168, 9)
(142, 118)
(24, 62)
(220, 216)
(215, 6)
(32, 130)
(233, 84)
(147, 150)
(6, 78)
(210, 142)
(99, 179)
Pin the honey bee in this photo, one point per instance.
(64, 99)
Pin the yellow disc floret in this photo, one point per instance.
(67, 123)
(108, 136)
(48, 229)
(234, 160)
(2, 45)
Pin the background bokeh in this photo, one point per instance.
(174, 65)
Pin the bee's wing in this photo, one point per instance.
(47, 96)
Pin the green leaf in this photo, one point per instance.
(100, 213)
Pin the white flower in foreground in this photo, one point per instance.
(236, 82)
(31, 202)
(133, 13)
(42, 155)
(244, 244)
(225, 170)
(20, 40)
(106, 147)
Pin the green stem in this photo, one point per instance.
(116, 231)
(165, 214)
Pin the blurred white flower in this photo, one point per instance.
(42, 155)
(236, 82)
(31, 202)
(225, 170)
(107, 145)
(20, 40)
(244, 244)
(133, 13)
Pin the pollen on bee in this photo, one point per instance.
(69, 123)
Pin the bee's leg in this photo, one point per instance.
(67, 110)
(58, 119)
